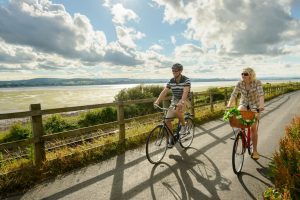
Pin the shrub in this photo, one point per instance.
(138, 92)
(56, 123)
(98, 116)
(285, 167)
(17, 132)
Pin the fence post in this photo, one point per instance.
(192, 104)
(37, 132)
(211, 101)
(225, 97)
(120, 111)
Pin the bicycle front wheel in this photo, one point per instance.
(156, 145)
(187, 139)
(238, 154)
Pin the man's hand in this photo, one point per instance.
(261, 109)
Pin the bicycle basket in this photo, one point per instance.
(234, 122)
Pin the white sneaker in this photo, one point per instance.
(182, 130)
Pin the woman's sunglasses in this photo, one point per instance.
(245, 74)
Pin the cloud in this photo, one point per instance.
(173, 39)
(121, 14)
(41, 29)
(236, 27)
(156, 47)
(126, 36)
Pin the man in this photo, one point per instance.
(180, 86)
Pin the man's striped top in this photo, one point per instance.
(177, 88)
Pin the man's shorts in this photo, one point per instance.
(172, 112)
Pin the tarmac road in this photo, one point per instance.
(203, 171)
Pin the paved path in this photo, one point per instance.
(201, 172)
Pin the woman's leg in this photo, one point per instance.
(254, 136)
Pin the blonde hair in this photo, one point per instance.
(251, 73)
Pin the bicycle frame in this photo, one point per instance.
(246, 137)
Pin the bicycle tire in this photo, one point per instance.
(250, 145)
(156, 145)
(186, 140)
(238, 154)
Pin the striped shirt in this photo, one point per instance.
(249, 97)
(177, 88)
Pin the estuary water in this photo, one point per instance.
(19, 99)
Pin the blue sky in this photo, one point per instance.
(142, 39)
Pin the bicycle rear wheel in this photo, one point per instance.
(156, 145)
(187, 139)
(238, 154)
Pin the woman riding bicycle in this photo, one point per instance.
(252, 98)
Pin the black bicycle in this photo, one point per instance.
(157, 141)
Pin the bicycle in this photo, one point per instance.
(242, 140)
(157, 141)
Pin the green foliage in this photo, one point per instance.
(272, 194)
(17, 132)
(98, 116)
(285, 166)
(235, 112)
(138, 92)
(56, 123)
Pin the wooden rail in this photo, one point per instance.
(38, 140)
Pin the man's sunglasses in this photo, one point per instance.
(244, 74)
(175, 70)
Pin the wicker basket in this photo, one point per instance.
(234, 122)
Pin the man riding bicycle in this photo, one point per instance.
(180, 86)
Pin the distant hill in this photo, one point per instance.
(106, 81)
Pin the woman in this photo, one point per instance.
(252, 98)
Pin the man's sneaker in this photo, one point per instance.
(182, 130)
(170, 142)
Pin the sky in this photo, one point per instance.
(143, 38)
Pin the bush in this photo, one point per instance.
(98, 116)
(138, 92)
(285, 167)
(56, 123)
(17, 132)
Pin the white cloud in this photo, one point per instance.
(121, 14)
(239, 27)
(126, 36)
(156, 47)
(173, 39)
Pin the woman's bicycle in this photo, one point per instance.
(157, 141)
(242, 140)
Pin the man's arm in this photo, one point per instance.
(185, 94)
(162, 95)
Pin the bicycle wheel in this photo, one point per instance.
(156, 145)
(238, 154)
(187, 139)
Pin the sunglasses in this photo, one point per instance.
(175, 70)
(244, 74)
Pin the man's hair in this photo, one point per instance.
(177, 66)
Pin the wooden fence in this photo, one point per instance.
(39, 138)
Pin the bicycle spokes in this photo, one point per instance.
(238, 154)
(156, 145)
(186, 139)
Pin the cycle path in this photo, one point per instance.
(203, 171)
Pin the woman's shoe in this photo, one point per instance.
(255, 156)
